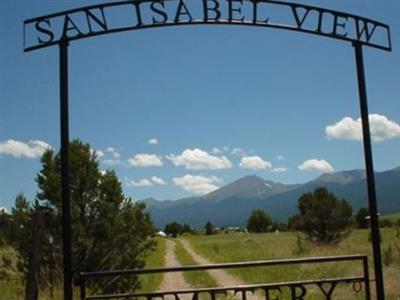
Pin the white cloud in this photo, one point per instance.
(99, 153)
(112, 162)
(114, 152)
(153, 141)
(316, 164)
(32, 149)
(197, 159)
(144, 182)
(145, 160)
(280, 157)
(225, 148)
(197, 184)
(216, 150)
(254, 163)
(349, 129)
(158, 180)
(279, 170)
(4, 210)
(238, 152)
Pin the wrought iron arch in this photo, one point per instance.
(64, 27)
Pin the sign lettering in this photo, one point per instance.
(132, 15)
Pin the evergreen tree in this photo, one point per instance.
(361, 217)
(258, 221)
(174, 229)
(109, 231)
(209, 228)
(323, 218)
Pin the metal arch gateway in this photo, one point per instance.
(63, 27)
(100, 19)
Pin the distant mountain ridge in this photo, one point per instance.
(231, 204)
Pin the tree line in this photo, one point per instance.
(322, 217)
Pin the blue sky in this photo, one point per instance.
(217, 102)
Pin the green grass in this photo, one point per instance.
(12, 287)
(151, 282)
(10, 281)
(195, 278)
(248, 247)
(394, 218)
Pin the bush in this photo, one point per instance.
(388, 256)
(383, 223)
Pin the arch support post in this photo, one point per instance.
(65, 193)
(373, 210)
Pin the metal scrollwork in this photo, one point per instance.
(357, 286)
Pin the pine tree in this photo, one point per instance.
(323, 217)
(109, 231)
(259, 221)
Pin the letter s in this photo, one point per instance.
(47, 32)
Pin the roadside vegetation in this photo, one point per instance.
(236, 247)
(194, 278)
(151, 282)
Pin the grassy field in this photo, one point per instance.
(151, 282)
(10, 281)
(247, 247)
(394, 218)
(194, 278)
(12, 286)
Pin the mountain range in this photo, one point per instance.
(231, 204)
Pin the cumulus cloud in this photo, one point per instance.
(216, 150)
(158, 180)
(112, 162)
(316, 164)
(238, 152)
(153, 141)
(280, 157)
(197, 184)
(197, 159)
(145, 160)
(32, 149)
(138, 183)
(279, 170)
(254, 163)
(114, 152)
(144, 182)
(350, 129)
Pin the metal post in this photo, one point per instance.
(66, 214)
(82, 287)
(366, 278)
(380, 293)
